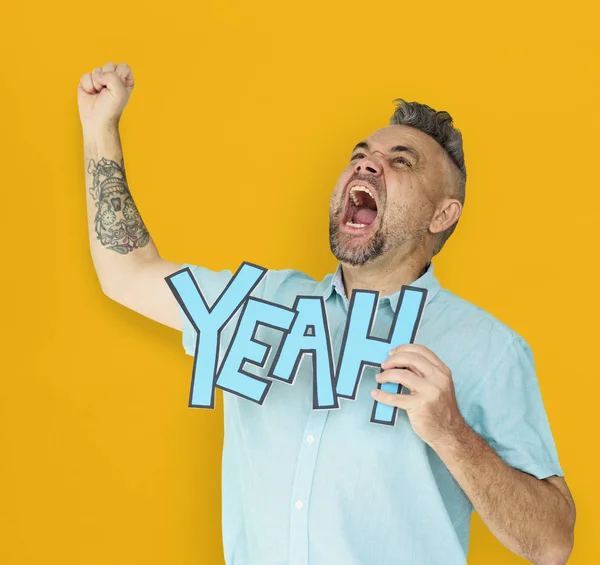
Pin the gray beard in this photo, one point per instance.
(353, 256)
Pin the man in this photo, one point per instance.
(328, 486)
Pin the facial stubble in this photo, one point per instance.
(348, 252)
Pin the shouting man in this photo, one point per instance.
(330, 487)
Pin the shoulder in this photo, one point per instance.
(471, 335)
(471, 318)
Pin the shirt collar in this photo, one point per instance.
(334, 282)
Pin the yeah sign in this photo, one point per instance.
(305, 331)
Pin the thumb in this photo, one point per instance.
(108, 79)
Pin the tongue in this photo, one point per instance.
(365, 216)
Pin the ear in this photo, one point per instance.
(447, 214)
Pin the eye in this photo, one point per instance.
(401, 160)
(357, 155)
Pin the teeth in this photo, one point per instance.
(363, 189)
(356, 202)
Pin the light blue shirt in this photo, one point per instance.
(328, 487)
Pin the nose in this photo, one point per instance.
(368, 165)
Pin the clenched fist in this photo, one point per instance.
(103, 94)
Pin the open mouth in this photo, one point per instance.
(361, 208)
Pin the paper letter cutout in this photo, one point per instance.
(209, 322)
(309, 334)
(245, 347)
(360, 348)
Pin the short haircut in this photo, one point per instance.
(439, 126)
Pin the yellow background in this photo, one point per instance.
(242, 117)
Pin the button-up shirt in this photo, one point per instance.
(326, 487)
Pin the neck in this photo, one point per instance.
(385, 275)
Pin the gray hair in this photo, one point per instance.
(439, 126)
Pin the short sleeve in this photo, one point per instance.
(211, 284)
(508, 412)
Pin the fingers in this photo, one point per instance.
(95, 81)
(422, 350)
(420, 360)
(86, 83)
(96, 72)
(403, 401)
(413, 361)
(125, 73)
(420, 370)
(404, 377)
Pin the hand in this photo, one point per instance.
(103, 94)
(431, 407)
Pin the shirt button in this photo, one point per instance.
(310, 438)
(299, 505)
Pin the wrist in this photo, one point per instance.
(96, 128)
(102, 139)
(455, 441)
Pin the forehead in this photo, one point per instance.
(385, 138)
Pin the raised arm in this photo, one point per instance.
(129, 267)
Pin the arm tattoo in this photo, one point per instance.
(118, 223)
